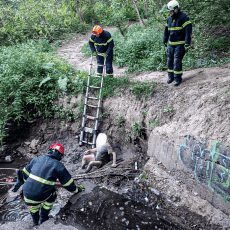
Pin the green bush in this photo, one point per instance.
(30, 79)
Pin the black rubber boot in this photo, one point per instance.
(44, 215)
(170, 80)
(177, 83)
(35, 217)
(178, 80)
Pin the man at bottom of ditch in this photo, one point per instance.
(178, 32)
(39, 177)
(102, 43)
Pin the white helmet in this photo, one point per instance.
(172, 5)
(101, 139)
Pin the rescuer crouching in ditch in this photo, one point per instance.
(100, 154)
(39, 178)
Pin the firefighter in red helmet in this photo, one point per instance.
(39, 178)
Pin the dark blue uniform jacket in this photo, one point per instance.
(41, 174)
(178, 29)
(104, 43)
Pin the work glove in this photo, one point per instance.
(20, 180)
(105, 55)
(94, 54)
(81, 188)
(187, 47)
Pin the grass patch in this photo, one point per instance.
(141, 49)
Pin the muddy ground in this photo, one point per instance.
(113, 199)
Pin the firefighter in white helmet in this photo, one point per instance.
(177, 32)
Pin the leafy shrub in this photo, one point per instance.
(30, 76)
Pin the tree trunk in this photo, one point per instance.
(93, 18)
(44, 20)
(56, 11)
(138, 13)
(146, 11)
(79, 12)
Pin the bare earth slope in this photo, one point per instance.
(198, 107)
(198, 112)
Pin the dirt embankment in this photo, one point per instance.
(198, 108)
(177, 167)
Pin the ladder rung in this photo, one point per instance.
(95, 98)
(90, 117)
(87, 142)
(93, 106)
(96, 76)
(90, 130)
(95, 87)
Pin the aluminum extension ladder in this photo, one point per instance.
(87, 131)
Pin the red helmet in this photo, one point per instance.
(97, 30)
(58, 146)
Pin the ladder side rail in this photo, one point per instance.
(86, 100)
(99, 101)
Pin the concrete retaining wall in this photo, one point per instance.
(210, 166)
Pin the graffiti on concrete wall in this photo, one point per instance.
(211, 167)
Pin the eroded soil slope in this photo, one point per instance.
(195, 107)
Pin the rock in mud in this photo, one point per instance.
(8, 159)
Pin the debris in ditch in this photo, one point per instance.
(9, 180)
(154, 191)
(159, 162)
(8, 159)
(137, 179)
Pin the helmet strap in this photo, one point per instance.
(59, 153)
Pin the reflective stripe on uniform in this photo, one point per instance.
(176, 43)
(110, 40)
(76, 191)
(186, 23)
(35, 209)
(47, 205)
(109, 74)
(91, 40)
(101, 44)
(178, 72)
(26, 172)
(31, 201)
(68, 183)
(170, 70)
(35, 202)
(41, 180)
(175, 28)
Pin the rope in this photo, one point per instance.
(5, 183)
(2, 199)
(8, 168)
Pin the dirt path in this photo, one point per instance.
(72, 50)
(201, 88)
